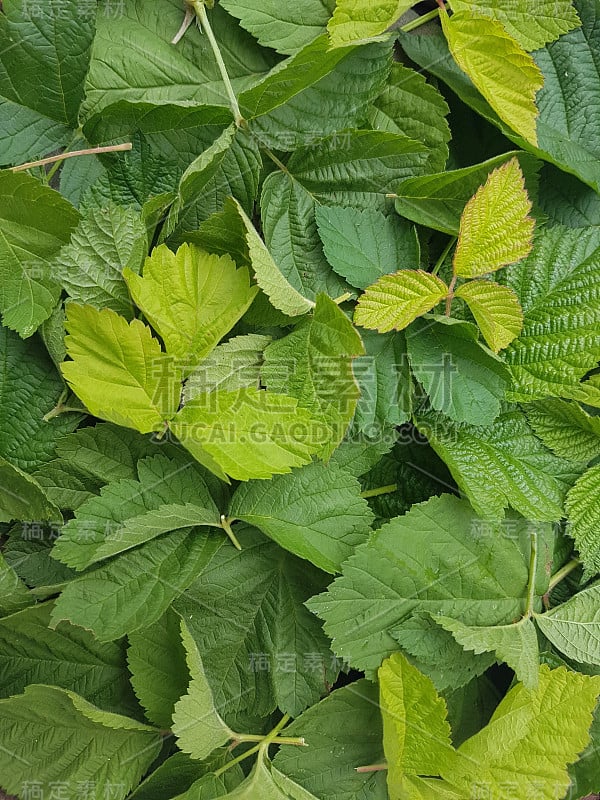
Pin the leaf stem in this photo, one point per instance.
(264, 742)
(202, 17)
(226, 525)
(562, 573)
(416, 23)
(371, 768)
(392, 487)
(450, 295)
(439, 263)
(533, 538)
(113, 148)
(274, 159)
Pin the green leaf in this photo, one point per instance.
(265, 781)
(30, 387)
(583, 512)
(22, 497)
(463, 379)
(90, 268)
(60, 738)
(39, 98)
(314, 365)
(196, 722)
(515, 644)
(247, 433)
(357, 20)
(118, 369)
(316, 513)
(167, 496)
(157, 662)
(438, 200)
(496, 309)
(316, 92)
(134, 590)
(36, 223)
(285, 28)
(348, 723)
(361, 246)
(502, 464)
(67, 657)
(532, 24)
(410, 105)
(236, 364)
(14, 594)
(191, 298)
(357, 168)
(180, 773)
(566, 429)
(269, 277)
(559, 341)
(504, 73)
(432, 560)
(261, 648)
(584, 772)
(547, 741)
(574, 627)
(495, 229)
(416, 733)
(397, 300)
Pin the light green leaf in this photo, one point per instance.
(515, 644)
(565, 428)
(134, 590)
(22, 497)
(286, 28)
(314, 365)
(347, 722)
(583, 514)
(508, 763)
(269, 277)
(36, 223)
(233, 365)
(268, 783)
(167, 496)
(30, 387)
(358, 20)
(361, 246)
(416, 733)
(196, 722)
(574, 627)
(59, 738)
(463, 378)
(261, 648)
(495, 229)
(39, 98)
(434, 560)
(397, 300)
(438, 200)
(91, 266)
(157, 662)
(410, 105)
(530, 22)
(247, 433)
(191, 298)
(504, 73)
(502, 464)
(557, 288)
(316, 512)
(67, 657)
(358, 168)
(118, 369)
(496, 309)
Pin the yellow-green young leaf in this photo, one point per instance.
(191, 298)
(416, 733)
(533, 23)
(196, 722)
(496, 309)
(530, 740)
(357, 20)
(396, 300)
(118, 369)
(269, 277)
(495, 226)
(505, 74)
(248, 433)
